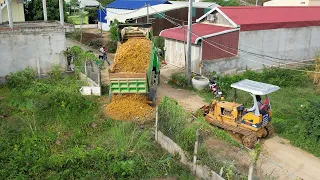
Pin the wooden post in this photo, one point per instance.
(61, 12)
(44, 8)
(9, 14)
(196, 146)
(156, 128)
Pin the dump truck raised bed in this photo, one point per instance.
(136, 83)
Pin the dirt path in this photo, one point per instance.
(283, 160)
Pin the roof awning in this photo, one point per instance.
(134, 14)
(254, 87)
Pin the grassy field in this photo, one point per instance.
(50, 131)
(296, 106)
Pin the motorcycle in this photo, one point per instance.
(215, 88)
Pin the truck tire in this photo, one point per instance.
(153, 95)
(154, 79)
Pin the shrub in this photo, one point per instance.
(179, 80)
(112, 46)
(21, 79)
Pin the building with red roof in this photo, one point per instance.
(235, 38)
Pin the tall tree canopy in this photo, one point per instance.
(33, 10)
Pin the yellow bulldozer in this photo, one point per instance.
(246, 125)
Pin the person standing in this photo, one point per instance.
(104, 54)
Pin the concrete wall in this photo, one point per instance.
(22, 48)
(175, 54)
(292, 3)
(290, 43)
(17, 12)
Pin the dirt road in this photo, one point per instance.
(284, 160)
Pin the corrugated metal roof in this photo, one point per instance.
(143, 12)
(260, 18)
(136, 4)
(209, 5)
(254, 87)
(201, 30)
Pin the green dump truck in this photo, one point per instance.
(137, 83)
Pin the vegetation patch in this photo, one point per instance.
(178, 125)
(50, 131)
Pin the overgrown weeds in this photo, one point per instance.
(51, 131)
(177, 124)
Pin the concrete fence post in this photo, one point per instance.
(196, 146)
(156, 125)
(38, 68)
(85, 69)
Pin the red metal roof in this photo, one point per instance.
(259, 18)
(180, 34)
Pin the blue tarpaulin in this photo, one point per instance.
(136, 4)
(103, 15)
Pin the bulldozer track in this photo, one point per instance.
(235, 129)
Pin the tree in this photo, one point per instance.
(105, 2)
(224, 2)
(74, 4)
(33, 10)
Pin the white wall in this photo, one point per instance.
(175, 54)
(289, 43)
(20, 49)
(292, 3)
(17, 12)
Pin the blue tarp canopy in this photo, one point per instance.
(134, 4)
(103, 15)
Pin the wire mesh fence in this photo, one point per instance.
(91, 71)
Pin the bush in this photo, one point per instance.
(21, 79)
(179, 80)
(276, 76)
(112, 46)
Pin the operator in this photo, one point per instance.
(253, 108)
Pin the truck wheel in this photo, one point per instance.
(153, 95)
(154, 78)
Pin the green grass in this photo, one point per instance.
(50, 131)
(295, 106)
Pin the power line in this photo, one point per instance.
(179, 25)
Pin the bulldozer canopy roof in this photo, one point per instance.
(254, 87)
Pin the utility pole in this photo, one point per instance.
(9, 14)
(188, 63)
(61, 12)
(44, 8)
(147, 12)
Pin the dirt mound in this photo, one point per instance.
(129, 107)
(132, 56)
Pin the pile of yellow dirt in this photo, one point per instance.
(129, 107)
(132, 56)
